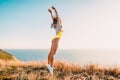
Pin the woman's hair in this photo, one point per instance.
(55, 20)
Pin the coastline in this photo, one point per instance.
(14, 69)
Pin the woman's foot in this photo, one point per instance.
(50, 68)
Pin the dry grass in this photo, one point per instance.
(5, 55)
(13, 62)
(17, 70)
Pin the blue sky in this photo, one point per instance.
(88, 24)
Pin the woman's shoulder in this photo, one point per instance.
(60, 20)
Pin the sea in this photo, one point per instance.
(82, 57)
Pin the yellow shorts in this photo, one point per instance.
(59, 34)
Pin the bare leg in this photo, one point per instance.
(53, 51)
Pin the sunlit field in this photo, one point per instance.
(17, 70)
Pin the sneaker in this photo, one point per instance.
(50, 68)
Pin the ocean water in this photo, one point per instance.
(102, 57)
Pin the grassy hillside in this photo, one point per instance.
(5, 55)
(13, 69)
(62, 71)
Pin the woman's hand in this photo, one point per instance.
(53, 7)
(49, 10)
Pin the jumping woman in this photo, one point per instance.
(57, 25)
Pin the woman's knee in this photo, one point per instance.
(51, 54)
